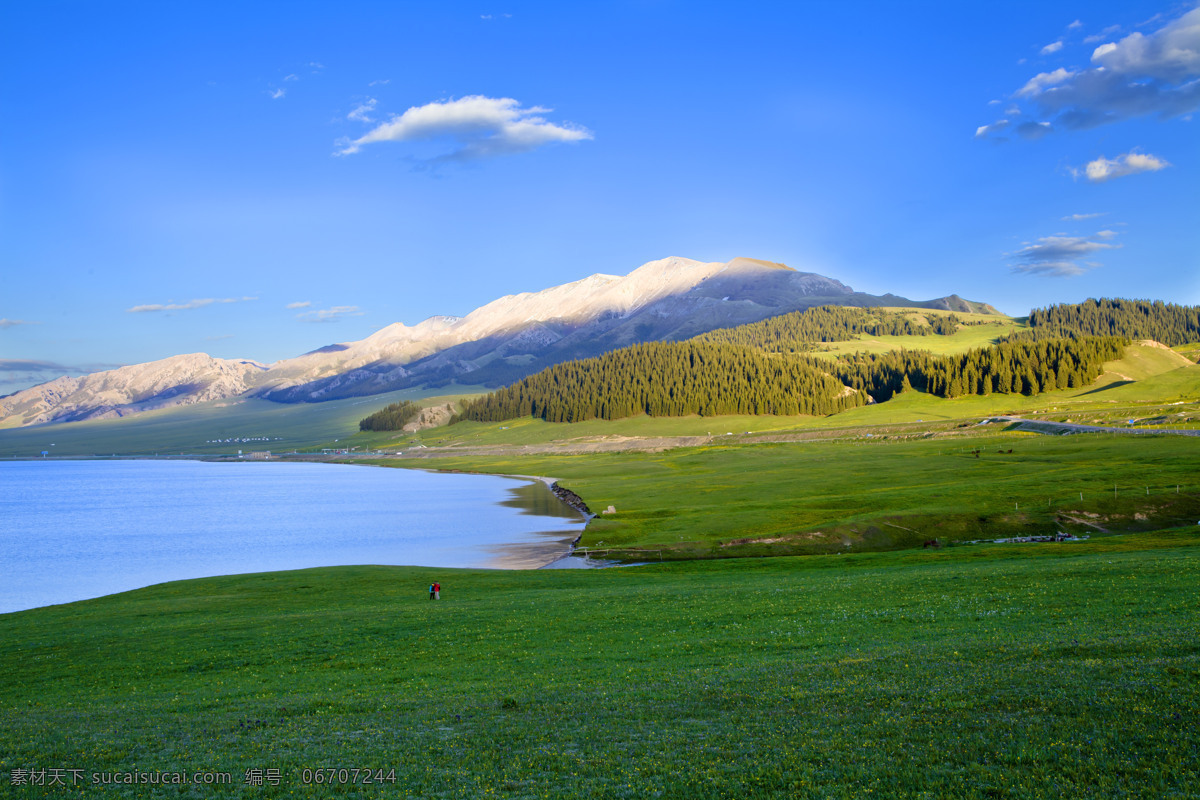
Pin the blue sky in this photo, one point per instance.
(257, 180)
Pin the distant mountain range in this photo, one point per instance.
(516, 335)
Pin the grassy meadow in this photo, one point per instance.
(869, 492)
(1020, 671)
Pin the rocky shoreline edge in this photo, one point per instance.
(570, 498)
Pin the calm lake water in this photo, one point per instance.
(71, 530)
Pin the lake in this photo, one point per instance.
(71, 530)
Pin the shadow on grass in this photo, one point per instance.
(1113, 385)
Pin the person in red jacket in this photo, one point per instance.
(437, 591)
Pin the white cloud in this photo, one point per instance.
(383, 82)
(363, 111)
(1075, 25)
(1053, 47)
(1060, 256)
(985, 130)
(1170, 54)
(302, 304)
(330, 314)
(190, 304)
(1138, 75)
(12, 323)
(277, 94)
(478, 127)
(292, 77)
(1044, 80)
(1080, 217)
(1105, 169)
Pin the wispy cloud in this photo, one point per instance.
(1033, 130)
(292, 77)
(1105, 169)
(476, 127)
(985, 130)
(1155, 74)
(277, 94)
(380, 82)
(330, 314)
(190, 304)
(1081, 217)
(1044, 80)
(1107, 33)
(363, 111)
(18, 373)
(1053, 47)
(1060, 256)
(25, 365)
(301, 304)
(12, 323)
(1075, 25)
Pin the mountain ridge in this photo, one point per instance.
(667, 299)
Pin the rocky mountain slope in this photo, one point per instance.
(178, 380)
(669, 299)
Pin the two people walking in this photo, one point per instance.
(435, 591)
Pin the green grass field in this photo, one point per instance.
(867, 493)
(1022, 671)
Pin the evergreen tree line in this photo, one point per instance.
(390, 418)
(798, 331)
(1168, 323)
(1019, 367)
(693, 377)
(669, 379)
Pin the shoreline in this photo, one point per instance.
(563, 494)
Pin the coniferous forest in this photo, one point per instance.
(1167, 323)
(390, 418)
(667, 379)
(765, 367)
